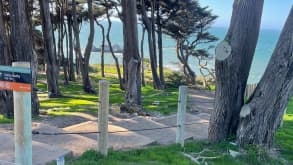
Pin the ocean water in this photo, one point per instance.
(266, 44)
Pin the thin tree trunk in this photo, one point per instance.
(232, 68)
(142, 55)
(76, 38)
(112, 51)
(156, 80)
(102, 49)
(153, 29)
(131, 59)
(160, 48)
(87, 87)
(70, 40)
(262, 115)
(52, 64)
(60, 45)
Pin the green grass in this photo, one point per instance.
(172, 155)
(284, 137)
(75, 100)
(4, 120)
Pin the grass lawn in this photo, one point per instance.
(284, 137)
(173, 155)
(75, 100)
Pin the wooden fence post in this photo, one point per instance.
(103, 117)
(22, 123)
(182, 99)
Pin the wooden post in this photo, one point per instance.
(22, 123)
(103, 117)
(182, 99)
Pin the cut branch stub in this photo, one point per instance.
(223, 50)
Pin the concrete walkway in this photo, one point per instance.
(48, 148)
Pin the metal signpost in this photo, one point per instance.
(18, 79)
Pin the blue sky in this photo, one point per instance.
(274, 14)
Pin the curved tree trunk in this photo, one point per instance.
(262, 115)
(131, 58)
(87, 87)
(102, 48)
(50, 51)
(122, 86)
(232, 70)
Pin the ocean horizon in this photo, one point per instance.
(265, 47)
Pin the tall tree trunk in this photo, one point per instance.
(142, 55)
(262, 115)
(21, 41)
(76, 38)
(153, 29)
(232, 67)
(87, 87)
(6, 100)
(160, 47)
(52, 70)
(63, 61)
(122, 86)
(102, 48)
(156, 80)
(131, 59)
(70, 40)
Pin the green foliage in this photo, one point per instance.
(175, 79)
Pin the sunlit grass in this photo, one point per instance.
(172, 155)
(284, 137)
(4, 120)
(75, 100)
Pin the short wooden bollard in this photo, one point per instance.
(103, 117)
(182, 99)
(22, 124)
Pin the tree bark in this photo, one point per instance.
(6, 99)
(87, 87)
(148, 25)
(76, 38)
(70, 39)
(262, 115)
(102, 49)
(131, 58)
(63, 61)
(142, 55)
(122, 86)
(21, 41)
(160, 47)
(232, 69)
(50, 51)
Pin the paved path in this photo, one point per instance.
(47, 148)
